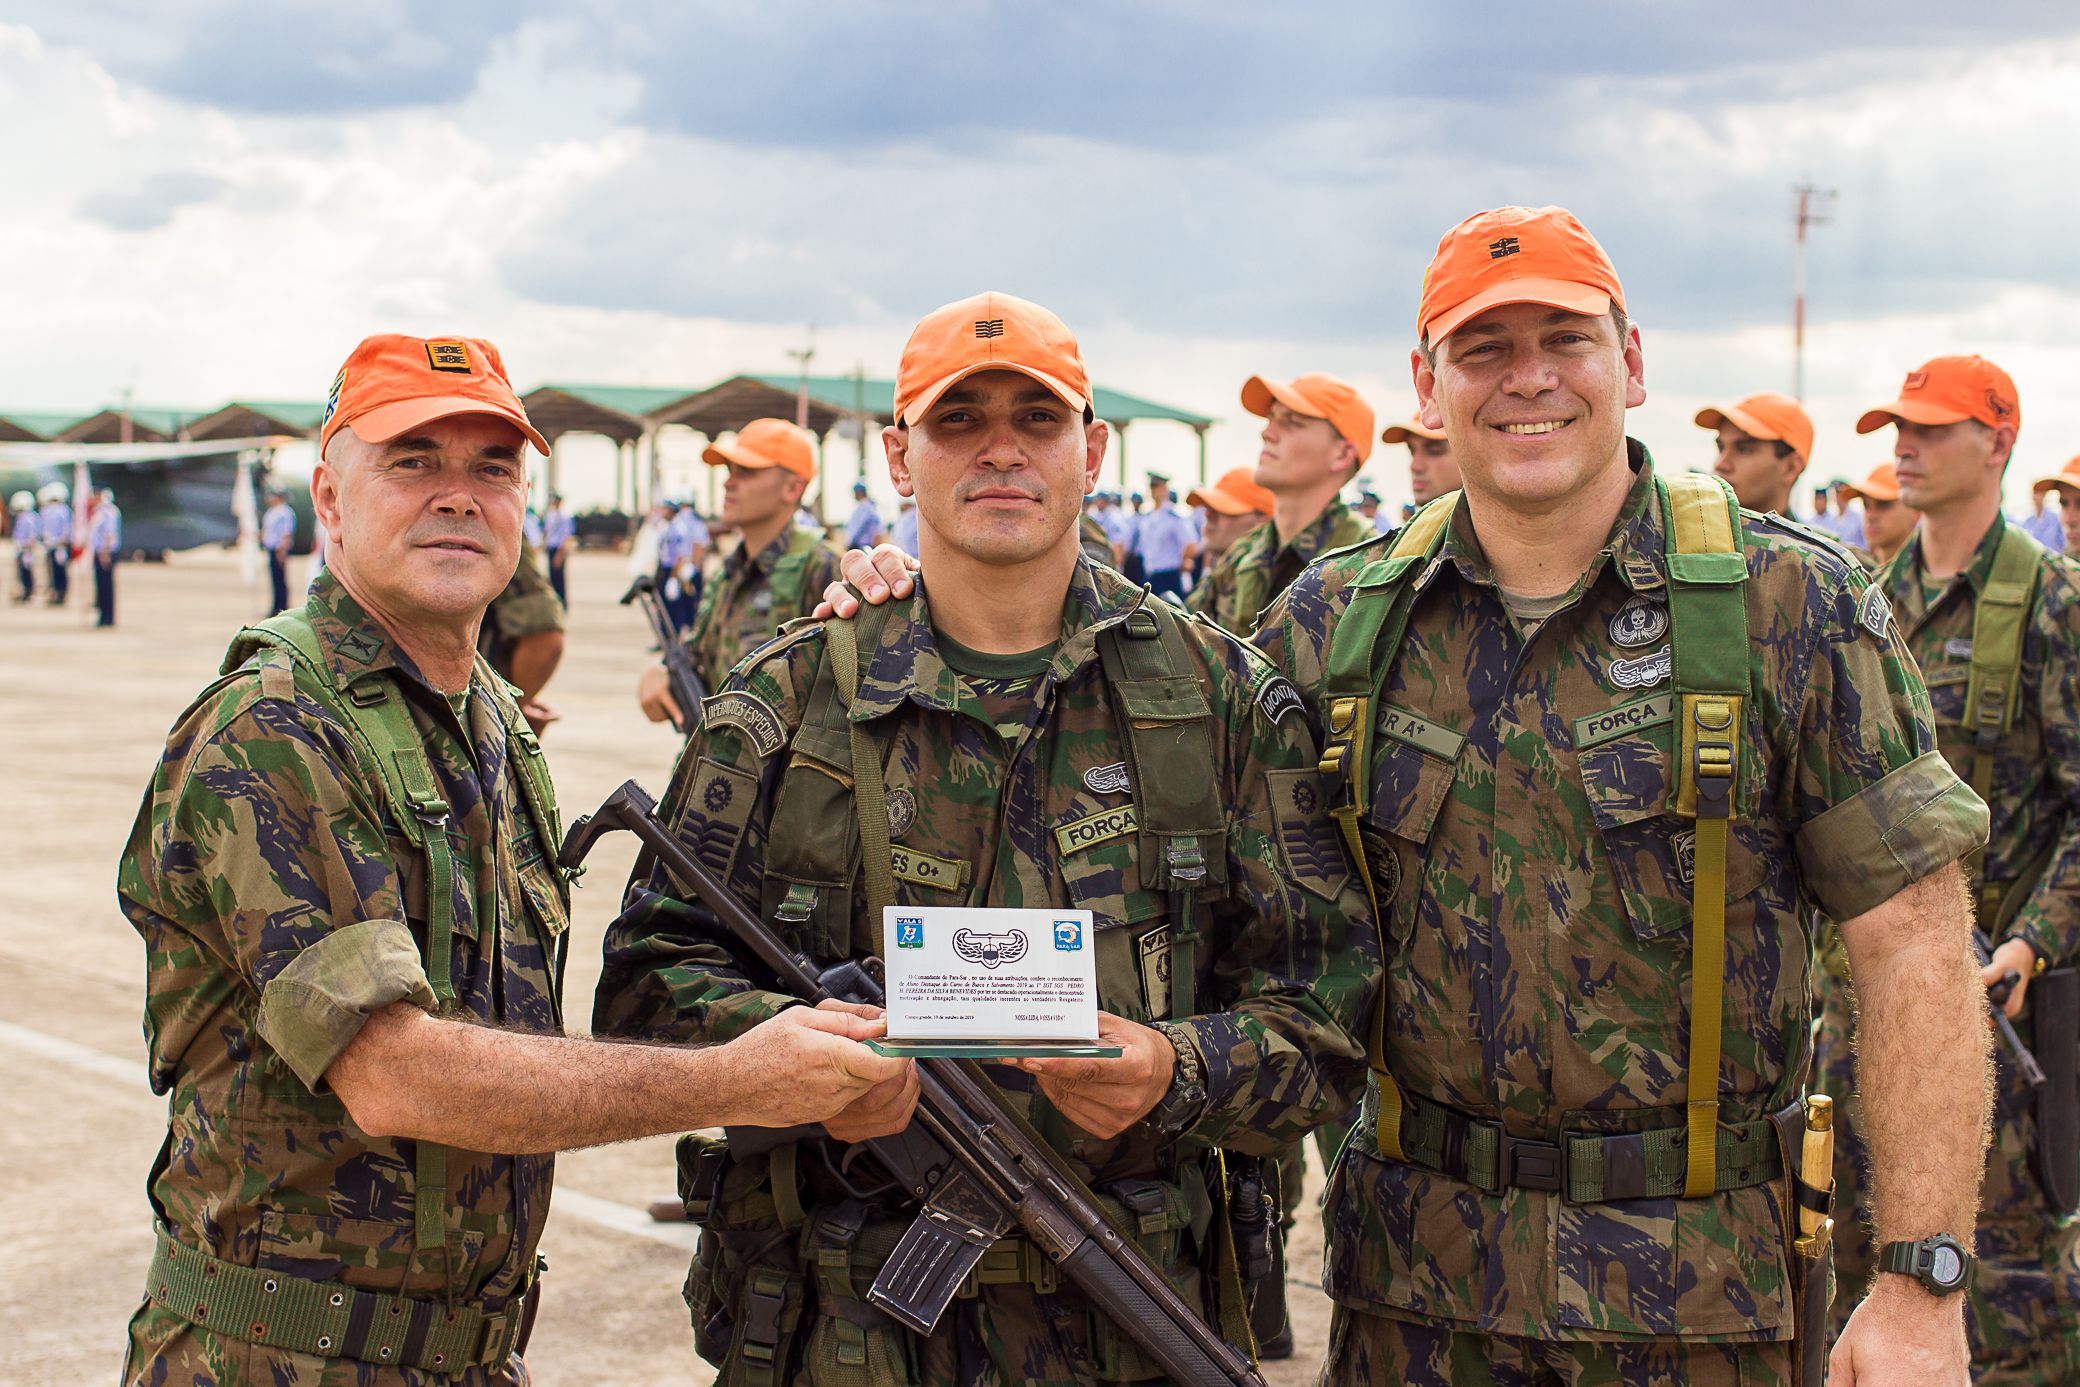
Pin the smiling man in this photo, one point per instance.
(1604, 742)
(1994, 622)
(1049, 736)
(776, 573)
(345, 876)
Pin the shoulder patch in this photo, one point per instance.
(1874, 613)
(718, 805)
(1276, 697)
(1307, 839)
(750, 715)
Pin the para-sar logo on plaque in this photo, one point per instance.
(990, 950)
(1068, 935)
(909, 932)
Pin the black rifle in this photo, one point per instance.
(683, 679)
(977, 1168)
(2025, 1062)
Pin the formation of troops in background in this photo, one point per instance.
(1539, 855)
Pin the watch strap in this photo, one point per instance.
(1902, 1257)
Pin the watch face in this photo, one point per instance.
(1945, 1267)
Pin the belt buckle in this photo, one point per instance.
(1531, 1164)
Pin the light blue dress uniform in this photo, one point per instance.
(863, 526)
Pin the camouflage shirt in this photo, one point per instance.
(527, 607)
(2036, 766)
(1257, 567)
(1538, 937)
(279, 906)
(1044, 817)
(751, 597)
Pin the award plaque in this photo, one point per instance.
(990, 983)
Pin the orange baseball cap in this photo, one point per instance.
(766, 443)
(1414, 428)
(1769, 416)
(2066, 476)
(1319, 397)
(392, 383)
(1236, 493)
(989, 332)
(1948, 390)
(1881, 485)
(1515, 255)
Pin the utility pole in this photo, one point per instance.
(859, 412)
(801, 357)
(1814, 208)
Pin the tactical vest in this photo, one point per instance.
(1993, 690)
(830, 820)
(1708, 614)
(785, 582)
(323, 1317)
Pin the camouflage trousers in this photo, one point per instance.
(2023, 1308)
(168, 1351)
(1370, 1350)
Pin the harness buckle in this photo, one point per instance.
(1531, 1164)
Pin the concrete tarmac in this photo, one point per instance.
(83, 717)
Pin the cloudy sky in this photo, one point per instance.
(218, 199)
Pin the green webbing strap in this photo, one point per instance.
(1593, 1167)
(1708, 612)
(1999, 614)
(326, 1318)
(869, 793)
(1361, 654)
(1161, 707)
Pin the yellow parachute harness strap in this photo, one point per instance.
(1374, 621)
(869, 790)
(1999, 615)
(1709, 615)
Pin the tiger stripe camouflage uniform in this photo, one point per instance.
(2025, 1298)
(751, 597)
(1257, 567)
(1011, 791)
(279, 906)
(1537, 893)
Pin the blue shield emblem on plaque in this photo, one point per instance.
(909, 932)
(1068, 935)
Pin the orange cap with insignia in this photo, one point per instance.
(1770, 417)
(393, 383)
(1949, 390)
(989, 332)
(766, 443)
(1236, 493)
(1515, 255)
(1318, 396)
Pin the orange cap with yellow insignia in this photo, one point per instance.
(393, 383)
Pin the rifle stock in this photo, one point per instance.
(683, 679)
(2025, 1062)
(973, 1162)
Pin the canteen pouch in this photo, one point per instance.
(2054, 1010)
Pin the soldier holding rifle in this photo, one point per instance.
(1039, 732)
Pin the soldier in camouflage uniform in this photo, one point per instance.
(1431, 471)
(1528, 1217)
(522, 636)
(1012, 780)
(776, 573)
(1957, 418)
(350, 830)
(1317, 437)
(1764, 442)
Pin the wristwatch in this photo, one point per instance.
(1940, 1264)
(1186, 1099)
